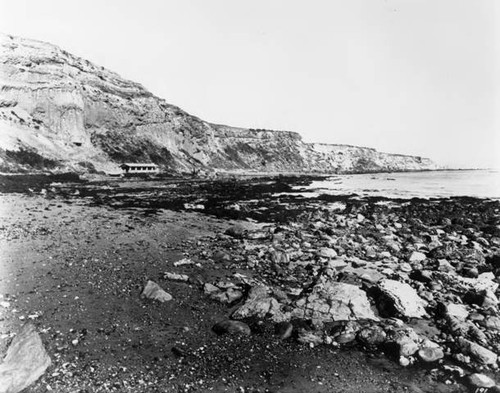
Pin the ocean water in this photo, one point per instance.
(474, 183)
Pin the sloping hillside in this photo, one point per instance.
(61, 112)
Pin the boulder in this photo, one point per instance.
(336, 263)
(237, 231)
(385, 255)
(445, 266)
(309, 337)
(26, 361)
(228, 296)
(477, 352)
(489, 299)
(493, 323)
(404, 341)
(370, 251)
(221, 256)
(393, 245)
(356, 262)
(345, 338)
(484, 282)
(434, 244)
(232, 327)
(430, 354)
(387, 272)
(259, 303)
(452, 310)
(372, 336)
(334, 301)
(469, 271)
(400, 298)
(346, 332)
(477, 334)
(457, 326)
(417, 257)
(326, 252)
(407, 346)
(284, 330)
(477, 380)
(153, 291)
(473, 256)
(404, 361)
(210, 288)
(367, 274)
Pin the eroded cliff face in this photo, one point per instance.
(61, 112)
(345, 158)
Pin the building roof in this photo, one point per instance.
(134, 164)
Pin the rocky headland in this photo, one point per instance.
(59, 112)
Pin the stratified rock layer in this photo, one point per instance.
(58, 111)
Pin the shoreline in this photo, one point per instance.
(240, 173)
(62, 242)
(22, 183)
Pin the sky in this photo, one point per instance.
(418, 77)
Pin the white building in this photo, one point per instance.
(130, 168)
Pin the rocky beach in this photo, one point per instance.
(249, 197)
(244, 285)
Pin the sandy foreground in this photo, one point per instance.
(76, 268)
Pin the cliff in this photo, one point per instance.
(61, 112)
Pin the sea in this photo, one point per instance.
(434, 184)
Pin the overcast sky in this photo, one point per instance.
(408, 76)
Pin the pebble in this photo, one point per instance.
(176, 276)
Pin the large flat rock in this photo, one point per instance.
(25, 362)
(403, 299)
(335, 301)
